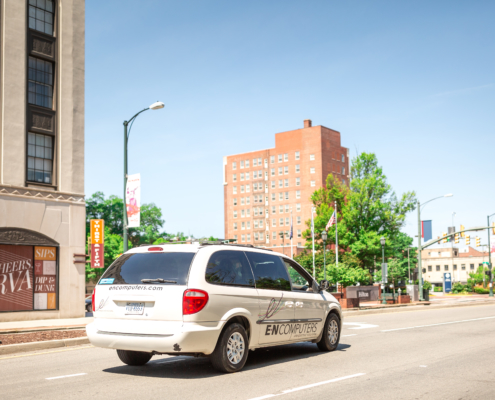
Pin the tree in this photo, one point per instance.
(114, 247)
(367, 210)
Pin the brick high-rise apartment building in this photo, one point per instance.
(262, 188)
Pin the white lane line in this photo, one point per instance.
(423, 366)
(442, 323)
(65, 376)
(308, 386)
(360, 325)
(354, 334)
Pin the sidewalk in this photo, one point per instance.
(44, 325)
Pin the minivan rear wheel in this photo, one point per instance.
(231, 351)
(331, 334)
(134, 357)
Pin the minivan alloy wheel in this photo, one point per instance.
(235, 348)
(333, 331)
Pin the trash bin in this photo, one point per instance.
(426, 295)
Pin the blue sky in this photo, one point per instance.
(412, 82)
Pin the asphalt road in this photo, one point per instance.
(427, 354)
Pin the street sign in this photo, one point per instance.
(447, 282)
(97, 228)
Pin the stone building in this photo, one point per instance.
(42, 210)
(264, 188)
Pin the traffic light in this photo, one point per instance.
(478, 241)
(489, 274)
(462, 233)
(456, 238)
(467, 240)
(444, 240)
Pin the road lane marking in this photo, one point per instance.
(423, 366)
(65, 376)
(354, 334)
(360, 325)
(45, 352)
(442, 323)
(308, 386)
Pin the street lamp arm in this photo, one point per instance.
(131, 121)
(425, 203)
(135, 115)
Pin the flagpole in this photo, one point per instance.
(336, 237)
(291, 234)
(313, 236)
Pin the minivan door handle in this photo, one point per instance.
(299, 303)
(289, 303)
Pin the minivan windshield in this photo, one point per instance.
(149, 268)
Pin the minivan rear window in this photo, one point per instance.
(131, 269)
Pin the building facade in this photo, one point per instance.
(459, 262)
(264, 189)
(42, 209)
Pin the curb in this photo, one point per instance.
(350, 313)
(42, 328)
(49, 344)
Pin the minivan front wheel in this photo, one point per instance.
(134, 357)
(331, 334)
(231, 351)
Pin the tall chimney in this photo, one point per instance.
(307, 123)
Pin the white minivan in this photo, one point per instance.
(216, 300)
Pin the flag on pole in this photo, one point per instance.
(332, 221)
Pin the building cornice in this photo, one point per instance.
(41, 194)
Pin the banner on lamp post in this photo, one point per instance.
(97, 227)
(133, 200)
(492, 244)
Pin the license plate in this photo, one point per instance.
(134, 308)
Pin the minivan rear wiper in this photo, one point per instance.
(161, 280)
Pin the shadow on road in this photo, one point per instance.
(200, 367)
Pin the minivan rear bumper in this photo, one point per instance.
(193, 338)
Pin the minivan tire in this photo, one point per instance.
(331, 334)
(232, 349)
(134, 358)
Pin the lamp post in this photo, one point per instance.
(384, 270)
(324, 238)
(154, 106)
(420, 269)
(282, 236)
(490, 256)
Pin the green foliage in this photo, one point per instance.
(438, 289)
(367, 210)
(426, 285)
(481, 290)
(478, 277)
(457, 287)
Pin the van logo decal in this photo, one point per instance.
(272, 309)
(177, 347)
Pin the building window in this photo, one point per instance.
(280, 172)
(281, 196)
(272, 159)
(471, 266)
(298, 181)
(311, 157)
(286, 182)
(242, 201)
(287, 223)
(312, 171)
(313, 183)
(248, 237)
(243, 238)
(40, 158)
(343, 170)
(274, 222)
(40, 82)
(235, 190)
(255, 174)
(234, 165)
(235, 201)
(297, 168)
(248, 200)
(256, 222)
(437, 267)
(242, 164)
(298, 207)
(235, 238)
(280, 209)
(235, 226)
(255, 186)
(248, 211)
(235, 213)
(247, 163)
(242, 188)
(41, 16)
(242, 213)
(298, 233)
(255, 162)
(280, 158)
(286, 170)
(243, 225)
(280, 183)
(286, 157)
(273, 171)
(255, 235)
(273, 196)
(343, 158)
(266, 163)
(281, 222)
(273, 184)
(298, 220)
(455, 267)
(429, 268)
(286, 195)
(297, 155)
(274, 210)
(259, 161)
(445, 267)
(463, 267)
(247, 176)
(298, 194)
(261, 221)
(235, 177)
(248, 188)
(274, 235)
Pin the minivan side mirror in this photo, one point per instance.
(323, 285)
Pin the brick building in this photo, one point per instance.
(262, 188)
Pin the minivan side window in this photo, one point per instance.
(301, 282)
(269, 271)
(228, 267)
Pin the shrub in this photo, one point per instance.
(481, 290)
(438, 289)
(457, 288)
(426, 285)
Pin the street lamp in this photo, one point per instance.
(490, 256)
(384, 270)
(155, 106)
(420, 269)
(324, 238)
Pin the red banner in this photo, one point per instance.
(97, 256)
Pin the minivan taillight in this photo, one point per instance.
(93, 300)
(194, 301)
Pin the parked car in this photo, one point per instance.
(88, 304)
(214, 300)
